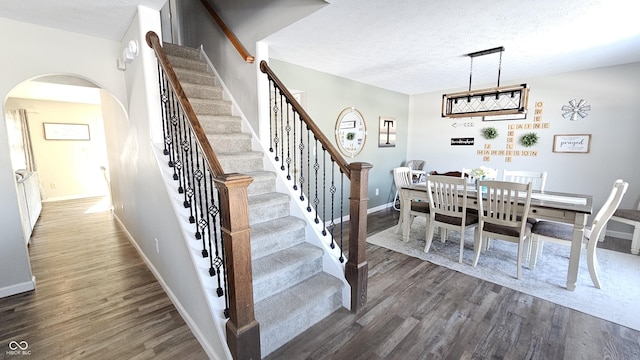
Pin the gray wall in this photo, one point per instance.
(67, 53)
(327, 95)
(613, 123)
(251, 21)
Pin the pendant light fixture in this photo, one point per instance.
(500, 100)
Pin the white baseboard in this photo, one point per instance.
(18, 288)
(195, 329)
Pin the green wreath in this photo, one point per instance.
(529, 139)
(490, 133)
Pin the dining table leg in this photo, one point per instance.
(576, 247)
(405, 214)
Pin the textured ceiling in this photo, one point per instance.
(409, 46)
(108, 19)
(417, 46)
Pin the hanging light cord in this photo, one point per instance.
(470, 72)
(499, 68)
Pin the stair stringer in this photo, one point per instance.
(207, 283)
(313, 232)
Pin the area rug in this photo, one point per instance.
(619, 273)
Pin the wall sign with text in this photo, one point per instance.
(574, 143)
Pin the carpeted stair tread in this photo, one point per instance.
(231, 142)
(266, 207)
(285, 268)
(189, 64)
(195, 77)
(290, 312)
(182, 51)
(271, 236)
(263, 182)
(220, 124)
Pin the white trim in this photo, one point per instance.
(369, 211)
(619, 234)
(174, 299)
(18, 288)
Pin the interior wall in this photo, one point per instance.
(613, 123)
(139, 194)
(327, 95)
(66, 53)
(251, 21)
(67, 168)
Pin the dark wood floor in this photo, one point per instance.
(95, 298)
(417, 310)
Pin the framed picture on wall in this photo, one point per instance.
(572, 143)
(387, 132)
(60, 131)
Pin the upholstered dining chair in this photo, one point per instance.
(538, 179)
(401, 178)
(448, 208)
(502, 213)
(550, 231)
(630, 217)
(417, 170)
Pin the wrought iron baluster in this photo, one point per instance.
(341, 215)
(175, 124)
(316, 167)
(281, 134)
(332, 190)
(276, 139)
(324, 186)
(272, 94)
(188, 170)
(163, 101)
(308, 171)
(295, 162)
(288, 129)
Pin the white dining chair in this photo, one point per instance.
(417, 170)
(503, 216)
(448, 208)
(630, 217)
(402, 178)
(551, 231)
(537, 178)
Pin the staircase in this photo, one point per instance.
(291, 291)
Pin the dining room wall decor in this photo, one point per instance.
(387, 131)
(575, 109)
(572, 143)
(351, 132)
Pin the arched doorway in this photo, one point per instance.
(58, 120)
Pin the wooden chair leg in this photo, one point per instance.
(429, 236)
(592, 263)
(477, 245)
(635, 240)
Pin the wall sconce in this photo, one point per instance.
(505, 100)
(128, 54)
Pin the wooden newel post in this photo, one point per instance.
(357, 268)
(243, 331)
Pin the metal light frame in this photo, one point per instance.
(499, 100)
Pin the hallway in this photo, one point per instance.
(95, 298)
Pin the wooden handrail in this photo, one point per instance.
(154, 42)
(326, 144)
(246, 56)
(242, 329)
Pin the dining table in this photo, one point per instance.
(562, 207)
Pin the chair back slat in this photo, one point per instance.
(447, 195)
(538, 179)
(503, 205)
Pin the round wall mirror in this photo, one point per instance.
(351, 132)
